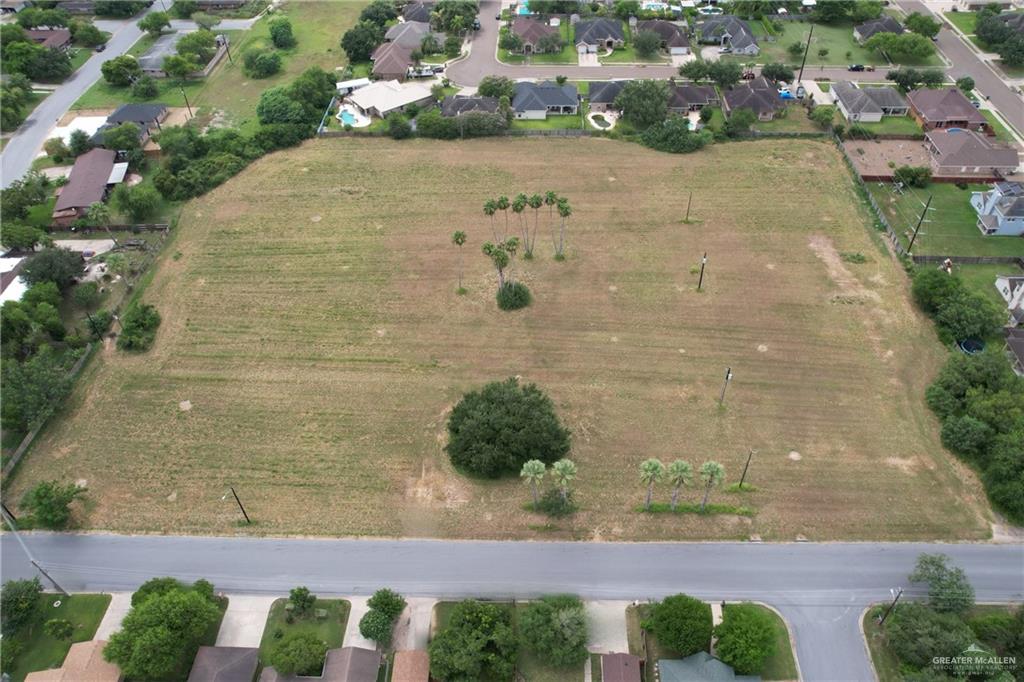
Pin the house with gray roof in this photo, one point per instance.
(868, 104)
(225, 664)
(1001, 209)
(531, 31)
(1015, 346)
(534, 101)
(152, 61)
(700, 667)
(759, 95)
(602, 94)
(883, 24)
(729, 31)
(965, 153)
(592, 34)
(418, 11)
(1014, 21)
(1011, 288)
(690, 97)
(673, 36)
(457, 105)
(946, 108)
(346, 664)
(410, 34)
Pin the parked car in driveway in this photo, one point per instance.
(748, 76)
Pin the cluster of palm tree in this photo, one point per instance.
(519, 204)
(563, 471)
(680, 475)
(502, 254)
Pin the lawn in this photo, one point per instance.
(318, 27)
(1002, 133)
(795, 120)
(628, 55)
(781, 665)
(552, 122)
(309, 317)
(330, 629)
(982, 279)
(41, 651)
(527, 665)
(567, 55)
(965, 21)
(892, 125)
(950, 228)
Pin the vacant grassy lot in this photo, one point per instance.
(950, 228)
(311, 324)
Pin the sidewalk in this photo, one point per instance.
(120, 603)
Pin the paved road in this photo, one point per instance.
(967, 63)
(820, 588)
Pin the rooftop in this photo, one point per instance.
(225, 664)
(84, 663)
(540, 96)
(945, 104)
(88, 181)
(967, 148)
(594, 31)
(411, 666)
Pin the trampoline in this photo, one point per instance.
(971, 346)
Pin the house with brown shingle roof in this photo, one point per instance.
(346, 664)
(391, 61)
(88, 183)
(531, 31)
(225, 664)
(689, 97)
(84, 663)
(946, 108)
(759, 95)
(411, 666)
(57, 38)
(620, 668)
(673, 36)
(966, 153)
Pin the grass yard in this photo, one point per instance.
(41, 651)
(1002, 133)
(330, 629)
(552, 122)
(795, 120)
(310, 318)
(887, 666)
(951, 225)
(965, 21)
(891, 125)
(982, 278)
(595, 668)
(781, 665)
(567, 55)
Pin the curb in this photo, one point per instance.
(864, 638)
(792, 639)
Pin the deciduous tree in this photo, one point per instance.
(50, 502)
(554, 628)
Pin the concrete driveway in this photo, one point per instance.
(606, 621)
(412, 631)
(244, 620)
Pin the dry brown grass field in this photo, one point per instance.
(313, 345)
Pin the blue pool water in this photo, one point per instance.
(347, 118)
(524, 7)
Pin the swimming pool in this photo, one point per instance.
(524, 7)
(347, 118)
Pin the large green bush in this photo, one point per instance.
(682, 624)
(300, 653)
(513, 296)
(477, 644)
(916, 634)
(948, 588)
(138, 327)
(50, 501)
(746, 637)
(673, 135)
(377, 623)
(493, 431)
(19, 604)
(554, 628)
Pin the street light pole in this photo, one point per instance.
(32, 559)
(725, 385)
(896, 598)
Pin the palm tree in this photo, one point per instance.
(651, 471)
(565, 473)
(535, 201)
(490, 208)
(98, 215)
(502, 204)
(499, 257)
(518, 206)
(564, 211)
(532, 474)
(510, 246)
(680, 473)
(459, 238)
(550, 200)
(711, 474)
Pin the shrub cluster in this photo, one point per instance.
(673, 135)
(746, 637)
(513, 296)
(554, 628)
(959, 313)
(681, 623)
(478, 644)
(138, 327)
(377, 623)
(432, 124)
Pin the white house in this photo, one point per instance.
(1000, 210)
(382, 97)
(350, 86)
(1011, 288)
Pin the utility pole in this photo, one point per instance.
(703, 262)
(240, 505)
(745, 467)
(32, 559)
(919, 221)
(896, 598)
(187, 106)
(725, 385)
(807, 48)
(688, 202)
(8, 512)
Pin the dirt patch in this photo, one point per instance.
(435, 489)
(852, 290)
(185, 405)
(907, 465)
(795, 456)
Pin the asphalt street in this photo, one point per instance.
(821, 589)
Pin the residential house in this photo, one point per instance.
(349, 86)
(91, 178)
(147, 117)
(1014, 21)
(592, 34)
(759, 95)
(673, 36)
(383, 97)
(12, 286)
(391, 61)
(534, 101)
(457, 105)
(225, 664)
(956, 153)
(883, 24)
(620, 668)
(418, 11)
(410, 34)
(12, 6)
(1014, 344)
(411, 666)
(78, 6)
(531, 31)
(729, 31)
(57, 38)
(689, 97)
(869, 104)
(700, 666)
(1001, 209)
(976, 5)
(946, 108)
(602, 94)
(347, 664)
(207, 5)
(84, 663)
(1011, 288)
(152, 61)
